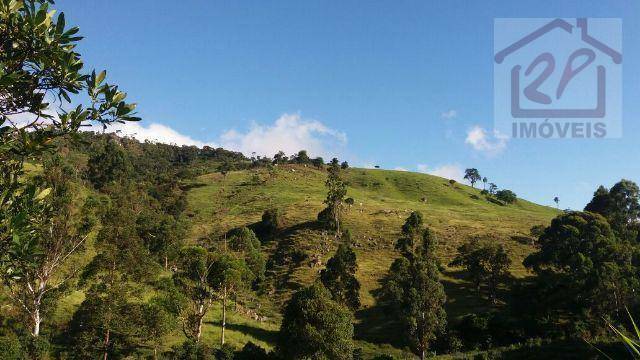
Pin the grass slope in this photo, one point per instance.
(383, 200)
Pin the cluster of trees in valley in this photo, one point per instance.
(103, 220)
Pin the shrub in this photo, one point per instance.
(11, 349)
(191, 350)
(507, 196)
(251, 351)
(226, 352)
(268, 227)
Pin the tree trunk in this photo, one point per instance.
(199, 327)
(36, 322)
(155, 352)
(106, 344)
(166, 263)
(224, 315)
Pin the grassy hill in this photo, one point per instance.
(383, 200)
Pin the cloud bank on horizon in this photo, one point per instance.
(447, 171)
(289, 133)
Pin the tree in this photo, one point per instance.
(154, 322)
(336, 191)
(280, 158)
(601, 203)
(620, 206)
(412, 229)
(497, 264)
(493, 188)
(46, 233)
(108, 163)
(315, 327)
(105, 324)
(270, 224)
(192, 277)
(246, 243)
(413, 291)
(484, 183)
(485, 263)
(318, 162)
(507, 196)
(583, 271)
(344, 165)
(301, 157)
(472, 175)
(161, 233)
(339, 276)
(228, 275)
(38, 63)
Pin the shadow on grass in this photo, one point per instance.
(525, 240)
(566, 349)
(288, 256)
(377, 325)
(196, 185)
(266, 335)
(462, 296)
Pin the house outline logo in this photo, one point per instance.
(599, 111)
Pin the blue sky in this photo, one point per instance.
(400, 84)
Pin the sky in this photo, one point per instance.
(405, 85)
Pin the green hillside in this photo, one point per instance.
(382, 201)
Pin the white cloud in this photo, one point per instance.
(449, 114)
(400, 168)
(481, 140)
(290, 133)
(152, 132)
(447, 171)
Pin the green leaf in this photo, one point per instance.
(100, 77)
(42, 194)
(60, 24)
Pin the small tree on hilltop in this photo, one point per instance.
(484, 183)
(557, 201)
(472, 175)
(280, 158)
(301, 157)
(506, 196)
(318, 162)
